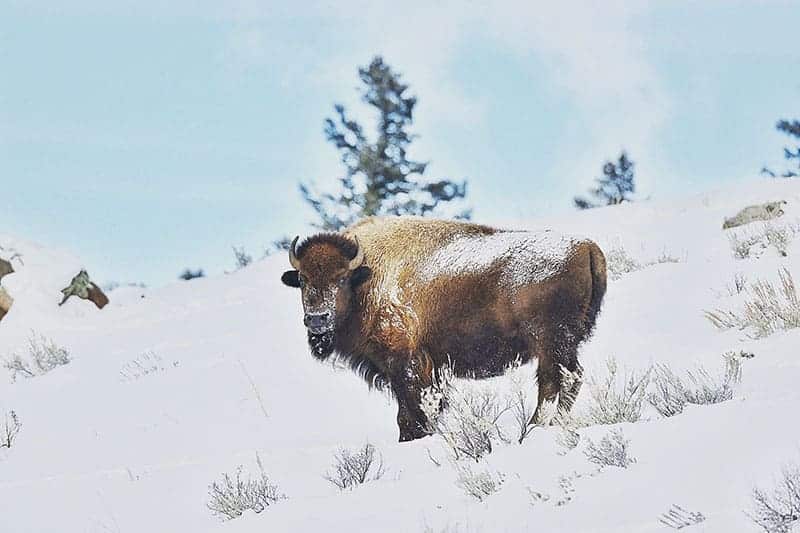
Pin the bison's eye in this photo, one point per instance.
(342, 282)
(301, 281)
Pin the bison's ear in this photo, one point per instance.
(360, 275)
(291, 278)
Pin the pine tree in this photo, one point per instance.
(616, 186)
(188, 274)
(379, 178)
(792, 129)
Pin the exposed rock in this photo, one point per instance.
(5, 268)
(82, 287)
(5, 303)
(5, 300)
(751, 213)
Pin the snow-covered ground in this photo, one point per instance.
(167, 391)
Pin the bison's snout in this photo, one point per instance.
(318, 322)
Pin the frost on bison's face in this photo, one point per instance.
(327, 268)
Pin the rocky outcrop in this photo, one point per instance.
(752, 213)
(82, 287)
(6, 302)
(5, 299)
(5, 268)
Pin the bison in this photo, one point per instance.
(398, 298)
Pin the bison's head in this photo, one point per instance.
(327, 269)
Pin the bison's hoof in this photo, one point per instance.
(408, 434)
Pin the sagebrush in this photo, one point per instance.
(738, 286)
(522, 407)
(481, 484)
(619, 262)
(231, 496)
(10, 429)
(768, 308)
(678, 518)
(43, 356)
(668, 396)
(672, 392)
(469, 419)
(704, 388)
(753, 243)
(521, 402)
(568, 438)
(353, 468)
(615, 398)
(778, 510)
(143, 365)
(612, 450)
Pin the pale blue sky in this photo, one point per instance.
(148, 138)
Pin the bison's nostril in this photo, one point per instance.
(317, 320)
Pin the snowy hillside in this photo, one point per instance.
(165, 393)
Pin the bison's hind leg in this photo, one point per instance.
(571, 381)
(549, 381)
(559, 374)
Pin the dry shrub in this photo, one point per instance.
(701, 387)
(778, 510)
(767, 309)
(612, 450)
(619, 263)
(233, 495)
(481, 484)
(469, 420)
(10, 429)
(613, 401)
(353, 468)
(43, 356)
(678, 518)
(753, 243)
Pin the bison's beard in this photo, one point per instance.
(321, 344)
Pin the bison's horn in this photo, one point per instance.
(292, 257)
(359, 258)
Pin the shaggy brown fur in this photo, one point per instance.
(397, 320)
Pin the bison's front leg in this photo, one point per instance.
(411, 421)
(408, 381)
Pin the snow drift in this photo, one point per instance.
(165, 393)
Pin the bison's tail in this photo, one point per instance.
(597, 265)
